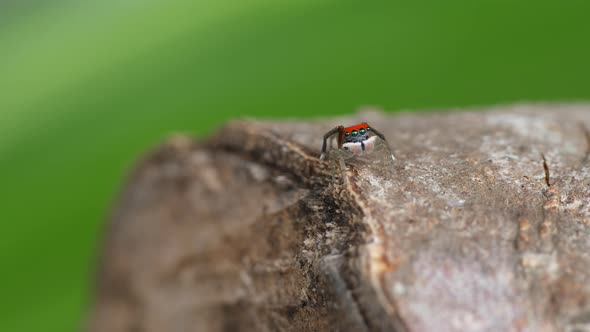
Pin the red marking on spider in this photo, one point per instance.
(363, 125)
(355, 139)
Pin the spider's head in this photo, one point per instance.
(356, 133)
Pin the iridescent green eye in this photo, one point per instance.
(355, 133)
(362, 131)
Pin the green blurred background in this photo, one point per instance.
(86, 87)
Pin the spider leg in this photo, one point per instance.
(331, 141)
(378, 133)
(326, 137)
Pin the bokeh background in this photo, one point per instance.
(87, 86)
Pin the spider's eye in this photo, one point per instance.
(362, 131)
(347, 134)
(368, 129)
(355, 133)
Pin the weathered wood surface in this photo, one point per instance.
(481, 224)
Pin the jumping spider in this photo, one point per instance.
(355, 139)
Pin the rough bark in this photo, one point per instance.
(481, 224)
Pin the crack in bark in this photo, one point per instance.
(586, 133)
(546, 169)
